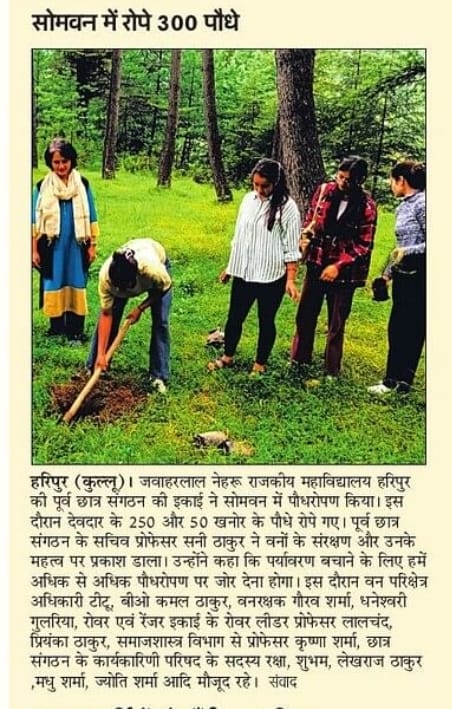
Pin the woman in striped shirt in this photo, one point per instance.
(263, 261)
(406, 328)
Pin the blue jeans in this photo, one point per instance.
(159, 345)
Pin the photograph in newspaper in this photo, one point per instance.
(229, 256)
(228, 457)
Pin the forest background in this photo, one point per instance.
(167, 139)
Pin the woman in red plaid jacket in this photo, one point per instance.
(336, 244)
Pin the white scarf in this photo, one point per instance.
(53, 189)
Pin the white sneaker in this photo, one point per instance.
(158, 385)
(379, 389)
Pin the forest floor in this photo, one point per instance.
(275, 419)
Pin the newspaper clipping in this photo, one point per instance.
(229, 422)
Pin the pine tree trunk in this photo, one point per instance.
(300, 147)
(155, 112)
(353, 111)
(185, 155)
(381, 136)
(222, 189)
(167, 156)
(111, 132)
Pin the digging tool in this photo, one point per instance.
(92, 381)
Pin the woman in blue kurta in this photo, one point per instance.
(64, 231)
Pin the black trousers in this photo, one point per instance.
(68, 324)
(243, 295)
(406, 328)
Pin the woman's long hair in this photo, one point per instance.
(273, 171)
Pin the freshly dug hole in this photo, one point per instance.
(109, 400)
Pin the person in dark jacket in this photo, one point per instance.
(336, 243)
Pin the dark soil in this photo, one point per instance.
(110, 399)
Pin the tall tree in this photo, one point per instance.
(353, 106)
(191, 123)
(300, 147)
(381, 133)
(381, 136)
(111, 132)
(143, 104)
(91, 71)
(158, 85)
(168, 152)
(222, 189)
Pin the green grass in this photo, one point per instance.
(275, 416)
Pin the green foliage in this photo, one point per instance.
(275, 418)
(55, 97)
(136, 163)
(370, 101)
(247, 105)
